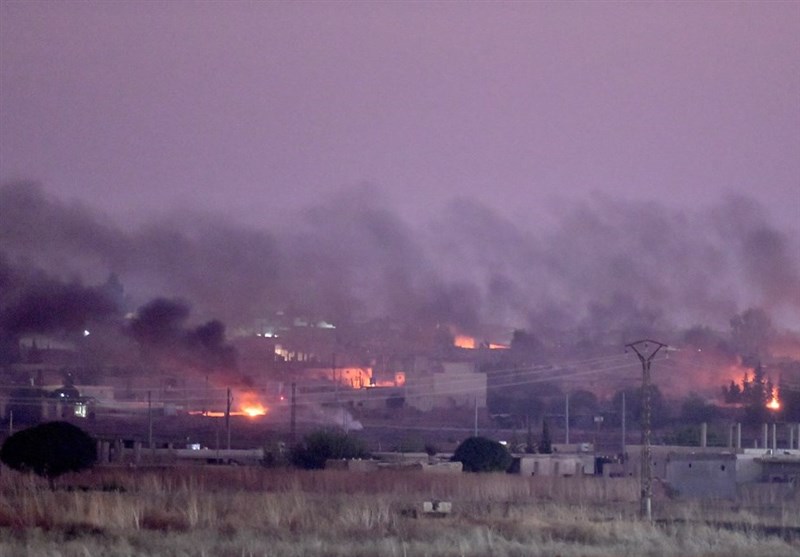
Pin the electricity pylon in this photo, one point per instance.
(646, 350)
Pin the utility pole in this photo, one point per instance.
(566, 418)
(206, 400)
(150, 421)
(335, 382)
(624, 433)
(339, 404)
(228, 417)
(646, 350)
(293, 422)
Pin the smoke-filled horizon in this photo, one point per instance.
(599, 265)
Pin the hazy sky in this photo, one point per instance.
(250, 108)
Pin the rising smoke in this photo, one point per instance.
(630, 267)
(160, 328)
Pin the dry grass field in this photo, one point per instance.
(249, 511)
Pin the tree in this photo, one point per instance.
(789, 389)
(320, 446)
(49, 450)
(479, 454)
(659, 411)
(732, 394)
(583, 406)
(695, 410)
(790, 402)
(546, 443)
(522, 402)
(754, 394)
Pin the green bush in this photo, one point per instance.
(49, 450)
(324, 445)
(479, 454)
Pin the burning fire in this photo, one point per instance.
(470, 343)
(464, 341)
(247, 404)
(253, 411)
(249, 411)
(250, 405)
(774, 404)
(496, 346)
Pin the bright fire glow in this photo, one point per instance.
(470, 343)
(245, 403)
(774, 404)
(495, 346)
(254, 410)
(464, 341)
(250, 411)
(249, 404)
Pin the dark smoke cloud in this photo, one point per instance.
(52, 306)
(606, 265)
(160, 323)
(161, 330)
(225, 270)
(222, 268)
(353, 258)
(64, 239)
(33, 302)
(609, 263)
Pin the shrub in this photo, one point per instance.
(323, 445)
(479, 454)
(49, 450)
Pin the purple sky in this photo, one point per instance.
(250, 108)
(557, 166)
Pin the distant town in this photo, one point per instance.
(153, 387)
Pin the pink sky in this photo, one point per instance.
(250, 108)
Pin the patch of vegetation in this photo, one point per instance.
(213, 510)
(479, 454)
(320, 446)
(50, 450)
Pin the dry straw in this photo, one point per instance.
(198, 511)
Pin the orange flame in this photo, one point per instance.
(497, 346)
(471, 343)
(464, 341)
(250, 405)
(774, 404)
(250, 412)
(253, 411)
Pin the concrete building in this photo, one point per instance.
(783, 467)
(702, 475)
(555, 465)
(450, 385)
(718, 475)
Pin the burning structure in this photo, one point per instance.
(362, 313)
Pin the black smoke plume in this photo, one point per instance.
(160, 328)
(607, 269)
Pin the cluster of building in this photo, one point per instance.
(380, 367)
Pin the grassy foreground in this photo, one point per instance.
(208, 511)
